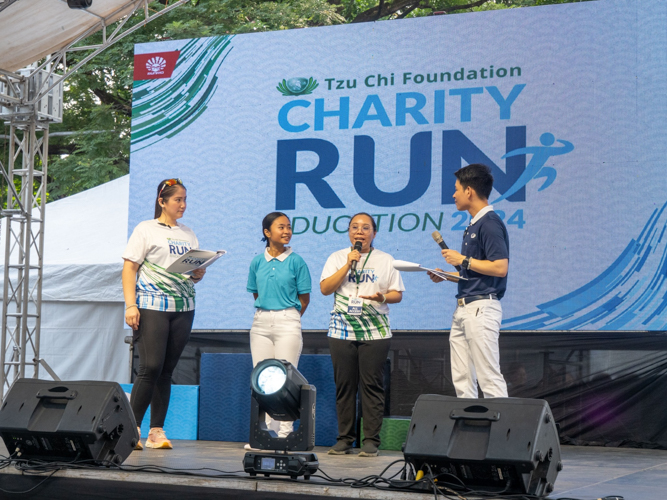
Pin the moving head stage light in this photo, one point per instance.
(279, 390)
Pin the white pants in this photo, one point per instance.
(276, 335)
(475, 356)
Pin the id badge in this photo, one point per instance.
(355, 306)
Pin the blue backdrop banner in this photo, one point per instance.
(567, 104)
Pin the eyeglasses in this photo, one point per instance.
(169, 182)
(364, 229)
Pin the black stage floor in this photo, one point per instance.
(589, 473)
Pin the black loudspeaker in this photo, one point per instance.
(67, 421)
(79, 4)
(507, 445)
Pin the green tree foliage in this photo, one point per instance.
(98, 98)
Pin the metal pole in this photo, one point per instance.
(41, 204)
(13, 304)
(5, 283)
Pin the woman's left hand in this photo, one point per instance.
(377, 297)
(198, 274)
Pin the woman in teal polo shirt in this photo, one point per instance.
(280, 282)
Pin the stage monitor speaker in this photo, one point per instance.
(507, 445)
(67, 421)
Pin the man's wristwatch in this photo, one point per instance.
(466, 263)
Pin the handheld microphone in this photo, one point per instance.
(438, 239)
(353, 267)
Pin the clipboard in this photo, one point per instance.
(412, 267)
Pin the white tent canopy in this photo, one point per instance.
(32, 29)
(82, 333)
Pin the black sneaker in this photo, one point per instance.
(369, 450)
(340, 448)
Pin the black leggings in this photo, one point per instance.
(160, 340)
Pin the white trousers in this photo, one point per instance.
(276, 335)
(475, 356)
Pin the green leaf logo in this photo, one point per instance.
(297, 86)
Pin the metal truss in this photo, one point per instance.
(31, 99)
(24, 249)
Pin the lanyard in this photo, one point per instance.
(357, 274)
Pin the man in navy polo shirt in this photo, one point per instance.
(483, 260)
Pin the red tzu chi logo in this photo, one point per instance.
(155, 65)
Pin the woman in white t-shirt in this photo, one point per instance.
(159, 305)
(359, 332)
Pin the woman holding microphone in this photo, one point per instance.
(359, 332)
(280, 283)
(159, 305)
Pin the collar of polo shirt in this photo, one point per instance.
(281, 257)
(481, 213)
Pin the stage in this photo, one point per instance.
(589, 472)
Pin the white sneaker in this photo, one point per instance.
(249, 448)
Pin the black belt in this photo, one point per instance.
(467, 300)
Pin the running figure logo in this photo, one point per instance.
(535, 168)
